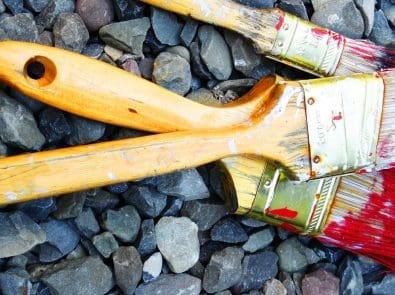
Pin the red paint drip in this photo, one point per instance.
(338, 117)
(283, 212)
(371, 231)
(280, 22)
(319, 32)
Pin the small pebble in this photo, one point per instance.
(295, 7)
(323, 283)
(131, 66)
(128, 269)
(53, 125)
(39, 209)
(15, 6)
(101, 201)
(87, 224)
(275, 287)
(386, 286)
(173, 207)
(94, 50)
(70, 205)
(205, 215)
(181, 51)
(146, 67)
(152, 267)
(351, 280)
(382, 33)
(95, 13)
(15, 281)
(188, 32)
(259, 240)
(47, 16)
(83, 130)
(112, 52)
(105, 243)
(146, 243)
(229, 231)
(257, 3)
(36, 5)
(166, 26)
(204, 96)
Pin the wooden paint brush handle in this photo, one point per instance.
(99, 91)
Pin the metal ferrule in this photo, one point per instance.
(307, 46)
(301, 206)
(343, 120)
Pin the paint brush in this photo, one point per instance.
(341, 134)
(286, 38)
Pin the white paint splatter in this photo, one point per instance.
(111, 175)
(11, 195)
(232, 146)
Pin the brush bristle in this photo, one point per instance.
(362, 56)
(362, 217)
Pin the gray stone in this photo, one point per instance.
(386, 286)
(239, 86)
(78, 252)
(48, 15)
(94, 50)
(351, 281)
(166, 26)
(229, 231)
(198, 66)
(70, 205)
(146, 67)
(205, 215)
(152, 267)
(127, 35)
(147, 200)
(36, 5)
(197, 270)
(367, 10)
(256, 270)
(48, 253)
(18, 261)
(172, 72)
(187, 185)
(46, 38)
(223, 270)
(87, 224)
(257, 3)
(95, 13)
(252, 222)
(181, 51)
(171, 284)
(15, 281)
(178, 242)
(15, 6)
(146, 243)
(322, 282)
(389, 11)
(18, 234)
(275, 287)
(105, 243)
(84, 131)
(32, 104)
(128, 269)
(215, 52)
(39, 209)
(53, 124)
(204, 96)
(344, 18)
(226, 292)
(87, 275)
(18, 126)
(294, 256)
(2, 6)
(69, 32)
(188, 32)
(382, 33)
(259, 240)
(295, 7)
(101, 201)
(124, 223)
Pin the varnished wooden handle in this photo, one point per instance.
(94, 89)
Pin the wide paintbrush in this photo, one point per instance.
(287, 38)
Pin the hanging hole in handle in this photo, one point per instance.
(40, 71)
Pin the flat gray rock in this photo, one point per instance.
(83, 130)
(128, 269)
(205, 215)
(48, 15)
(259, 240)
(20, 27)
(166, 26)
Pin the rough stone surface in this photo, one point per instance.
(382, 33)
(105, 243)
(47, 17)
(86, 223)
(204, 96)
(18, 234)
(53, 125)
(295, 7)
(188, 32)
(79, 276)
(127, 35)
(229, 231)
(274, 287)
(101, 200)
(95, 13)
(146, 243)
(223, 270)
(18, 126)
(15, 6)
(351, 281)
(128, 269)
(367, 8)
(70, 205)
(166, 26)
(152, 267)
(187, 185)
(178, 242)
(84, 131)
(20, 27)
(36, 5)
(181, 51)
(15, 281)
(205, 215)
(259, 240)
(386, 286)
(172, 72)
(322, 282)
(171, 284)
(128, 9)
(38, 210)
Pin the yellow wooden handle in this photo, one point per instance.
(94, 89)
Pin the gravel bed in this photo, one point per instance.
(170, 234)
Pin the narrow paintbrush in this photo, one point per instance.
(341, 134)
(353, 212)
(287, 38)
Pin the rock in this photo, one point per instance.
(368, 265)
(152, 45)
(198, 66)
(129, 9)
(188, 32)
(78, 252)
(94, 50)
(178, 242)
(60, 235)
(70, 32)
(186, 184)
(331, 254)
(389, 12)
(152, 267)
(36, 5)
(15, 281)
(18, 126)
(294, 256)
(180, 51)
(20, 27)
(101, 201)
(105, 243)
(322, 282)
(252, 222)
(166, 26)
(257, 3)
(275, 287)
(197, 270)
(31, 103)
(113, 53)
(381, 33)
(15, 6)
(295, 7)
(128, 269)
(171, 284)
(351, 281)
(53, 125)
(39, 209)
(131, 66)
(229, 231)
(386, 286)
(259, 240)
(288, 283)
(146, 67)
(46, 38)
(70, 205)
(147, 201)
(367, 8)
(240, 86)
(118, 188)
(84, 131)
(214, 52)
(95, 13)
(205, 215)
(344, 18)
(124, 223)
(18, 234)
(79, 276)
(204, 96)
(147, 241)
(172, 72)
(256, 270)
(127, 35)
(223, 270)
(173, 207)
(47, 17)
(2, 7)
(87, 224)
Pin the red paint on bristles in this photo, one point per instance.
(362, 217)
